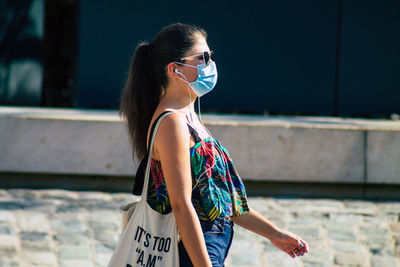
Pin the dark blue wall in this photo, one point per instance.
(287, 57)
(369, 80)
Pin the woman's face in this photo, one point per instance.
(199, 47)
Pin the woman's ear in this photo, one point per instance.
(172, 70)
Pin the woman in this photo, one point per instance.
(192, 173)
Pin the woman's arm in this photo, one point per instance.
(172, 144)
(285, 241)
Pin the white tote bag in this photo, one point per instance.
(150, 238)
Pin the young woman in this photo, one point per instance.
(191, 172)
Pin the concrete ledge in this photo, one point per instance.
(64, 146)
(264, 148)
(383, 157)
(276, 153)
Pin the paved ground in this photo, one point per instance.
(66, 228)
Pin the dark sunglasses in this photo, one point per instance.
(206, 57)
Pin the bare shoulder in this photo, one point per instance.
(172, 126)
(172, 135)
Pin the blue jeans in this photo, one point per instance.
(218, 235)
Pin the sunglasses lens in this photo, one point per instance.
(212, 56)
(207, 57)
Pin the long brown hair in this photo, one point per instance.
(147, 78)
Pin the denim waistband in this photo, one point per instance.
(216, 225)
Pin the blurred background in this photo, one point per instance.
(323, 58)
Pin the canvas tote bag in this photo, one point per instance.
(150, 238)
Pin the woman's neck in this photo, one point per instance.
(175, 98)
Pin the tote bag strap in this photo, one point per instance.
(147, 172)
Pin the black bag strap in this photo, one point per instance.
(139, 178)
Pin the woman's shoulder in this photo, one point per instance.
(173, 125)
(173, 119)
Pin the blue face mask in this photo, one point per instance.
(207, 76)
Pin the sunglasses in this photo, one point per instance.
(205, 56)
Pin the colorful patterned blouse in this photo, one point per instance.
(218, 190)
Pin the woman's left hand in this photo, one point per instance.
(290, 243)
(285, 241)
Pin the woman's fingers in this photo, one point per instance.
(296, 252)
(304, 246)
(300, 250)
(291, 254)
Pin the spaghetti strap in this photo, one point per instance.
(193, 132)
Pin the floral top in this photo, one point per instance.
(218, 190)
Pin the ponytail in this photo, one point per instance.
(140, 97)
(147, 79)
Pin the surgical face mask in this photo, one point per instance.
(207, 76)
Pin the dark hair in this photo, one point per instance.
(147, 78)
